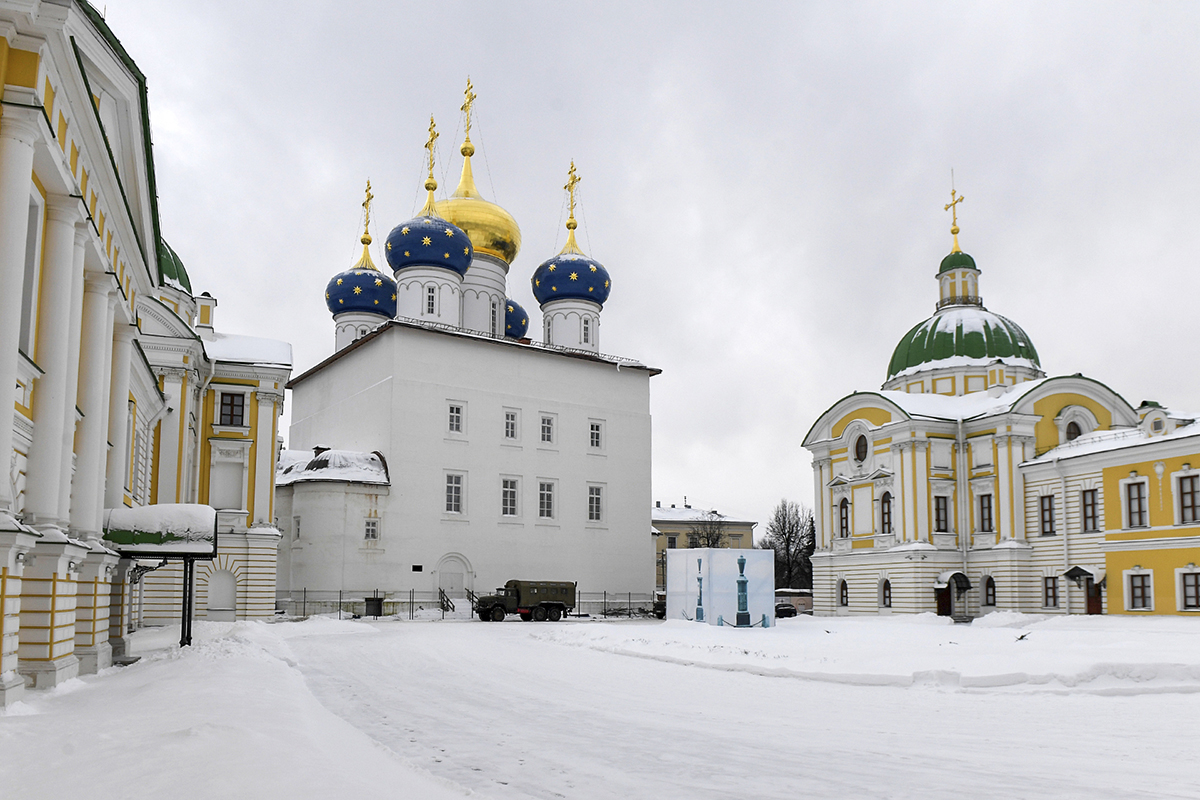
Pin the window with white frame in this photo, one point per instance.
(454, 418)
(431, 300)
(989, 591)
(885, 513)
(454, 493)
(1189, 498)
(1135, 504)
(547, 429)
(508, 497)
(985, 513)
(1046, 514)
(587, 331)
(546, 499)
(595, 503)
(233, 409)
(941, 514)
(672, 542)
(1091, 516)
(371, 530)
(510, 424)
(844, 518)
(1050, 592)
(886, 594)
(843, 594)
(1190, 594)
(495, 315)
(296, 527)
(1141, 591)
(596, 434)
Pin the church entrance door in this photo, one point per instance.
(451, 583)
(945, 605)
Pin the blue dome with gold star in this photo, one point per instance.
(361, 289)
(429, 241)
(571, 275)
(516, 321)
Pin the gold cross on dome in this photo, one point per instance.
(468, 102)
(433, 135)
(572, 181)
(367, 207)
(952, 207)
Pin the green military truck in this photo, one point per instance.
(533, 600)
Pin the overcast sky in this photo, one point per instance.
(765, 182)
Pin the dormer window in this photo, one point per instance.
(1156, 425)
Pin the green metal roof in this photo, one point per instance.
(957, 260)
(171, 269)
(966, 333)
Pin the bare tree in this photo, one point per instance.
(792, 535)
(707, 531)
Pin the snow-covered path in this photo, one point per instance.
(526, 710)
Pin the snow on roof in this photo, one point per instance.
(182, 528)
(967, 406)
(964, 361)
(690, 514)
(297, 466)
(248, 349)
(1105, 441)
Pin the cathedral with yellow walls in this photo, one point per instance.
(125, 394)
(973, 482)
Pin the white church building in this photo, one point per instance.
(439, 448)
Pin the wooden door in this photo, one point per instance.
(945, 606)
(1094, 604)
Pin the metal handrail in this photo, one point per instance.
(960, 300)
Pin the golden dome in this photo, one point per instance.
(492, 230)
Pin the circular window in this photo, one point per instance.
(1072, 431)
(860, 449)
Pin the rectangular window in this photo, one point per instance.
(233, 409)
(941, 514)
(693, 540)
(989, 592)
(1091, 521)
(672, 542)
(1140, 591)
(547, 430)
(596, 429)
(455, 423)
(587, 331)
(495, 324)
(546, 500)
(1135, 496)
(1189, 502)
(510, 425)
(430, 300)
(371, 529)
(735, 540)
(1050, 592)
(454, 494)
(508, 497)
(985, 513)
(595, 503)
(1191, 590)
(296, 526)
(1046, 512)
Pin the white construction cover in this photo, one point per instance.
(718, 567)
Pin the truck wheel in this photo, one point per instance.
(555, 614)
(483, 616)
(497, 614)
(539, 614)
(526, 616)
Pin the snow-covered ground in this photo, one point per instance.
(1009, 706)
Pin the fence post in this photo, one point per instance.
(629, 604)
(604, 607)
(304, 604)
(339, 603)
(411, 598)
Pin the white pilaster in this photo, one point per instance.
(118, 418)
(18, 134)
(264, 455)
(74, 331)
(50, 400)
(87, 484)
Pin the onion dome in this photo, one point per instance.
(427, 240)
(963, 335)
(571, 274)
(516, 321)
(492, 229)
(362, 287)
(170, 269)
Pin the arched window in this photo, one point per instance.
(844, 518)
(860, 449)
(885, 594)
(989, 591)
(885, 513)
(843, 594)
(1073, 430)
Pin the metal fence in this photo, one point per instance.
(414, 603)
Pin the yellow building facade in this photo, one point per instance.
(124, 393)
(972, 482)
(678, 528)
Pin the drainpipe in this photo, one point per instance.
(1062, 486)
(964, 492)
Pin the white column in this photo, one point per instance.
(87, 485)
(118, 418)
(264, 476)
(171, 439)
(50, 400)
(74, 331)
(18, 133)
